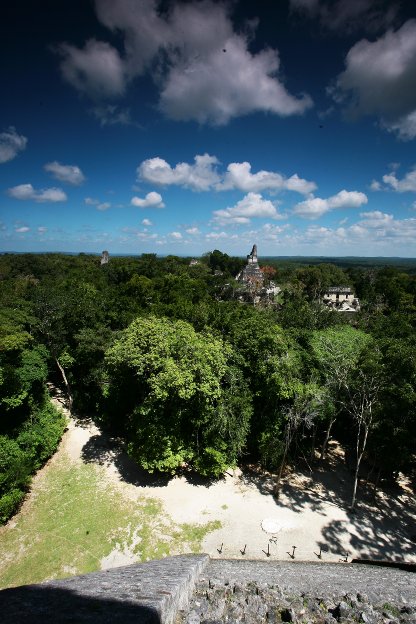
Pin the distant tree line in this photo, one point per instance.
(148, 347)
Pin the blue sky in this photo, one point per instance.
(180, 127)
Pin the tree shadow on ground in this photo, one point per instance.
(254, 475)
(328, 483)
(385, 532)
(383, 525)
(194, 478)
(105, 451)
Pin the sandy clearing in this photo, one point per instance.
(312, 511)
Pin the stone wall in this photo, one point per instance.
(219, 591)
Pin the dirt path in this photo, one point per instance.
(311, 514)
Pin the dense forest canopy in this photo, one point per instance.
(160, 351)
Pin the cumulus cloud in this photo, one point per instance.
(252, 205)
(152, 200)
(11, 144)
(375, 232)
(71, 174)
(376, 218)
(315, 207)
(42, 229)
(382, 227)
(176, 235)
(202, 67)
(91, 201)
(192, 231)
(379, 79)
(204, 175)
(216, 235)
(408, 183)
(146, 222)
(348, 16)
(239, 176)
(217, 86)
(96, 70)
(103, 206)
(200, 176)
(27, 192)
(375, 186)
(22, 229)
(404, 127)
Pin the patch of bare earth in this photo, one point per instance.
(311, 517)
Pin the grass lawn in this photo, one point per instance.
(74, 518)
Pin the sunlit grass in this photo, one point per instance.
(76, 518)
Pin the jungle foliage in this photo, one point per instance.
(150, 348)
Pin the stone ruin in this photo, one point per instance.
(251, 275)
(252, 284)
(105, 256)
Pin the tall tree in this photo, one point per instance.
(337, 352)
(181, 395)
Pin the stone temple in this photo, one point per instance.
(251, 275)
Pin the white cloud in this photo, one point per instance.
(374, 234)
(203, 175)
(375, 186)
(216, 235)
(103, 206)
(408, 183)
(380, 231)
(239, 176)
(315, 207)
(146, 222)
(97, 70)
(227, 81)
(203, 69)
(11, 144)
(376, 218)
(42, 229)
(144, 235)
(176, 235)
(90, 201)
(22, 230)
(405, 126)
(379, 79)
(271, 232)
(192, 231)
(200, 176)
(252, 205)
(27, 192)
(71, 174)
(152, 200)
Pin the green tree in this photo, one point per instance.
(337, 352)
(181, 396)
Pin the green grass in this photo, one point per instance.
(76, 518)
(395, 612)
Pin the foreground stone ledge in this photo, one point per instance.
(151, 592)
(192, 589)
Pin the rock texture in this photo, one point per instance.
(146, 593)
(254, 592)
(220, 591)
